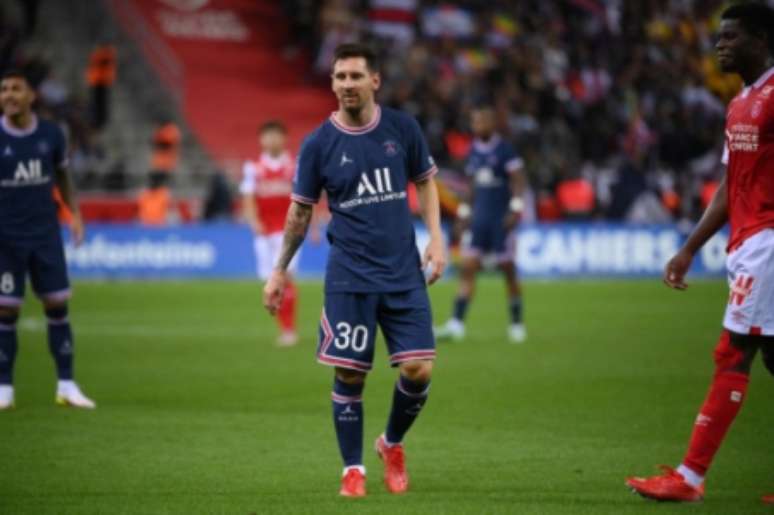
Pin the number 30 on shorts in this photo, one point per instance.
(355, 337)
(6, 283)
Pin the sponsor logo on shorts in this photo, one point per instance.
(739, 317)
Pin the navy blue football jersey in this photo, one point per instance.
(28, 159)
(365, 172)
(490, 165)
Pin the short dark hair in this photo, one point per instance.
(15, 73)
(272, 125)
(347, 50)
(757, 19)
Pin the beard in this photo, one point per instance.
(353, 110)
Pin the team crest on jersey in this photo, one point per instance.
(43, 147)
(390, 148)
(766, 91)
(756, 109)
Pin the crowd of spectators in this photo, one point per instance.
(622, 96)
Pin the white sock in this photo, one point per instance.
(64, 385)
(361, 468)
(691, 477)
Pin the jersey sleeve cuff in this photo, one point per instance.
(514, 165)
(295, 197)
(426, 175)
(246, 190)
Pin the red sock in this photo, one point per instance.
(723, 402)
(287, 310)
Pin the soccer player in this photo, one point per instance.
(745, 199)
(266, 187)
(497, 190)
(33, 158)
(363, 157)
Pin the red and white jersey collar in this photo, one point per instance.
(763, 79)
(272, 162)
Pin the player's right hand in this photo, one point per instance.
(434, 260)
(274, 290)
(676, 269)
(77, 230)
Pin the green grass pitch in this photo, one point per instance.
(200, 413)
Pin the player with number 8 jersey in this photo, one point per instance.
(364, 157)
(33, 159)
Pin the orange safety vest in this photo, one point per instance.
(153, 206)
(166, 148)
(102, 66)
(575, 196)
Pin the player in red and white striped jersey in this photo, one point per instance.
(265, 188)
(745, 199)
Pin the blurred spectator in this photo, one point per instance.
(166, 148)
(626, 95)
(218, 205)
(575, 198)
(154, 202)
(337, 25)
(100, 75)
(29, 9)
(393, 20)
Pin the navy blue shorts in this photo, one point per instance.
(348, 328)
(45, 263)
(490, 239)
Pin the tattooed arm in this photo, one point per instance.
(296, 225)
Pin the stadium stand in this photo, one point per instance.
(591, 94)
(110, 158)
(585, 88)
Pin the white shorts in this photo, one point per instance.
(267, 251)
(750, 308)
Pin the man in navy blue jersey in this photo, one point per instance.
(363, 157)
(33, 159)
(497, 203)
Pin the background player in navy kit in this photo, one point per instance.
(497, 189)
(33, 158)
(363, 156)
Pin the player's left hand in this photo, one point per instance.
(511, 220)
(435, 257)
(274, 290)
(77, 231)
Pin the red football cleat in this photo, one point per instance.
(670, 486)
(353, 484)
(768, 499)
(395, 477)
